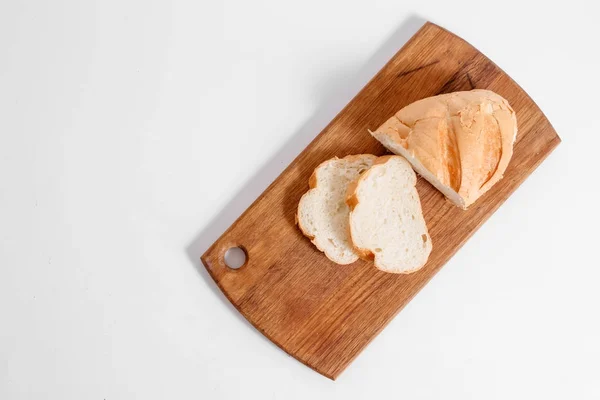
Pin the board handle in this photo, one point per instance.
(219, 262)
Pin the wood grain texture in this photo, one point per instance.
(325, 314)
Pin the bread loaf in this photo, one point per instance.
(460, 142)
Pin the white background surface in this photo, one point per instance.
(132, 133)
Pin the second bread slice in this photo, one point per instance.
(322, 212)
(386, 220)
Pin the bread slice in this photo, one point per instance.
(460, 142)
(322, 212)
(386, 220)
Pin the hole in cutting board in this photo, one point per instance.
(235, 257)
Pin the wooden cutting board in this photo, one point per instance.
(325, 314)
